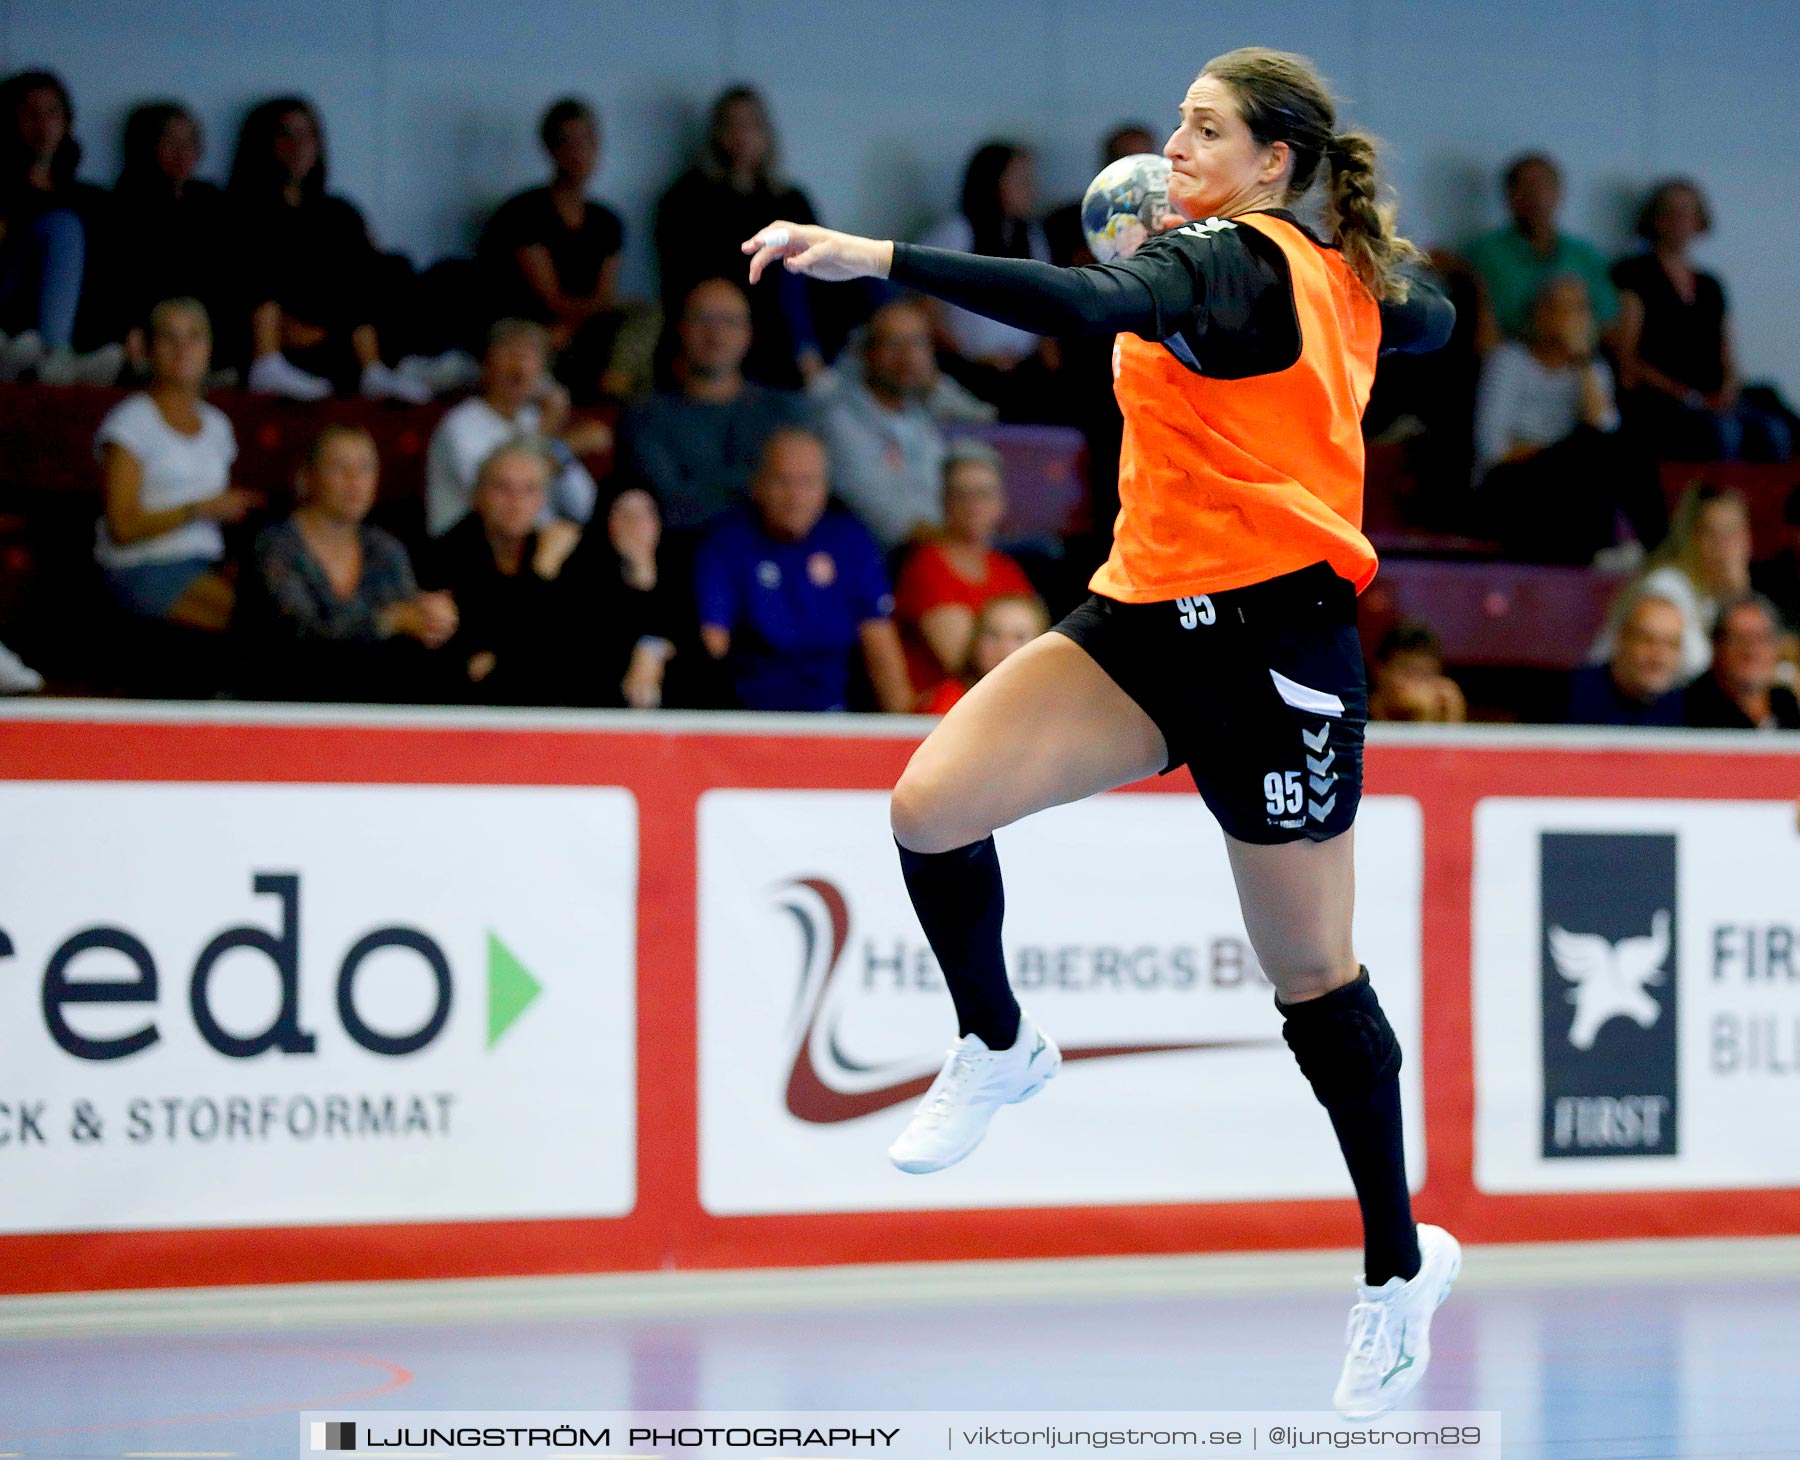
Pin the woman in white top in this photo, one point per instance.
(518, 398)
(998, 362)
(1552, 467)
(1704, 561)
(166, 461)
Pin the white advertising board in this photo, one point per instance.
(290, 1005)
(1636, 995)
(823, 1014)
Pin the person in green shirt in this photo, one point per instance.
(1513, 262)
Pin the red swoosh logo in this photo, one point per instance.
(810, 1099)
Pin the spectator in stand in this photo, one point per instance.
(1087, 364)
(696, 446)
(1553, 470)
(311, 270)
(172, 235)
(1778, 577)
(947, 578)
(1514, 262)
(1408, 680)
(500, 568)
(629, 616)
(1011, 367)
(165, 459)
(518, 398)
(734, 188)
(331, 609)
(1638, 685)
(1742, 691)
(887, 451)
(1674, 344)
(1704, 561)
(1003, 626)
(49, 227)
(946, 400)
(552, 254)
(1062, 226)
(790, 589)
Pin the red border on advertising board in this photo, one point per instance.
(668, 772)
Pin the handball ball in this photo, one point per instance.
(1122, 205)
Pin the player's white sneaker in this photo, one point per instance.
(974, 1083)
(1390, 1330)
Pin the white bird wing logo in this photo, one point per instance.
(1610, 979)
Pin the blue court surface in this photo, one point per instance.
(1615, 1352)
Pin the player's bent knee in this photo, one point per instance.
(1302, 979)
(924, 818)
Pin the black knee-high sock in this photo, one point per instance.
(959, 899)
(1346, 1048)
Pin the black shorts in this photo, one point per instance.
(1259, 691)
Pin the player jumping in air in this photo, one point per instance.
(1219, 634)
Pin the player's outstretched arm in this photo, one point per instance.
(819, 253)
(1030, 295)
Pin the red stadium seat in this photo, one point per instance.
(1513, 615)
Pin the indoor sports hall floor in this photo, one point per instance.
(1622, 1352)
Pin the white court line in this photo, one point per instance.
(899, 1285)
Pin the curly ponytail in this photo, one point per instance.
(1361, 224)
(1283, 98)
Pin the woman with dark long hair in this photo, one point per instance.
(311, 264)
(734, 186)
(1011, 367)
(1221, 631)
(172, 235)
(49, 224)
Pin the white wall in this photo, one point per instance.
(431, 104)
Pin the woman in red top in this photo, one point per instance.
(1003, 626)
(946, 581)
(1221, 631)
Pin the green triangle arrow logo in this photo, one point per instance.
(511, 988)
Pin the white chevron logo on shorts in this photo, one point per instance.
(1319, 810)
(1319, 785)
(1321, 766)
(1317, 741)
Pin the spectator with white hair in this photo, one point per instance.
(501, 568)
(1639, 684)
(518, 398)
